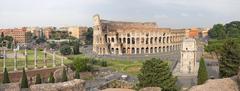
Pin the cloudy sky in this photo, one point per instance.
(167, 13)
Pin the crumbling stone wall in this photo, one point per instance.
(73, 85)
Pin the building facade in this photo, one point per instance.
(119, 38)
(188, 56)
(19, 34)
(78, 32)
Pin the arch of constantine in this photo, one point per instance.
(119, 38)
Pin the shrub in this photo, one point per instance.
(24, 81)
(65, 50)
(5, 76)
(77, 75)
(80, 64)
(103, 63)
(51, 78)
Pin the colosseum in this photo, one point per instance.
(120, 38)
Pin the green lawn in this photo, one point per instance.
(21, 61)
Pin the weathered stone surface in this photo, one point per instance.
(117, 89)
(226, 84)
(10, 87)
(73, 85)
(151, 89)
(58, 74)
(117, 84)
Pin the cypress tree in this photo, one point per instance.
(38, 79)
(77, 75)
(5, 76)
(24, 81)
(156, 73)
(64, 75)
(229, 59)
(51, 78)
(202, 72)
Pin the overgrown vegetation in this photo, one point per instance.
(202, 72)
(156, 73)
(5, 76)
(24, 80)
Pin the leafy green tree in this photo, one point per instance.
(65, 50)
(81, 64)
(217, 32)
(229, 60)
(38, 79)
(64, 75)
(156, 73)
(52, 45)
(89, 35)
(214, 47)
(233, 29)
(77, 75)
(76, 47)
(5, 76)
(202, 72)
(24, 81)
(51, 78)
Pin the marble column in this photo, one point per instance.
(54, 62)
(35, 58)
(44, 58)
(26, 59)
(4, 58)
(15, 60)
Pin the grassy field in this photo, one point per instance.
(21, 61)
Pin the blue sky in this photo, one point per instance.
(167, 13)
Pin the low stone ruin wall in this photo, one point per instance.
(10, 87)
(73, 85)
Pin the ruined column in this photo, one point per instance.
(62, 64)
(35, 58)
(44, 58)
(54, 63)
(15, 60)
(26, 59)
(4, 58)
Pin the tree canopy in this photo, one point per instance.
(156, 73)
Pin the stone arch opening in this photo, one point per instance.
(105, 38)
(163, 48)
(147, 50)
(133, 40)
(159, 49)
(155, 49)
(142, 50)
(167, 40)
(138, 50)
(124, 50)
(160, 39)
(128, 40)
(112, 39)
(155, 40)
(133, 50)
(151, 50)
(117, 51)
(103, 50)
(151, 40)
(142, 40)
(112, 50)
(163, 39)
(124, 40)
(147, 41)
(128, 50)
(167, 49)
